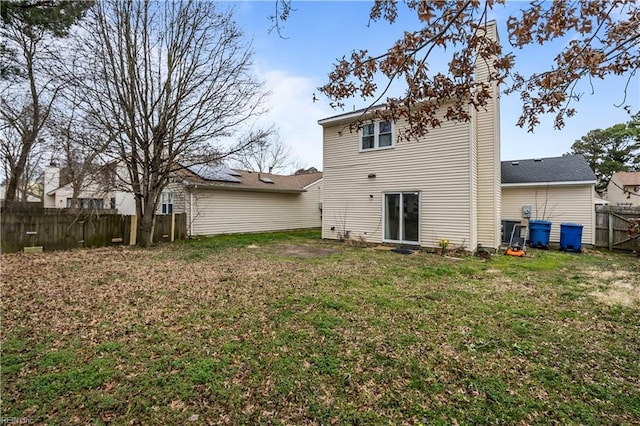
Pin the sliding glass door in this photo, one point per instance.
(402, 217)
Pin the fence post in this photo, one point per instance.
(173, 226)
(133, 230)
(610, 217)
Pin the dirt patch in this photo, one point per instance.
(622, 287)
(306, 252)
(620, 293)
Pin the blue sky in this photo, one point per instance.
(320, 32)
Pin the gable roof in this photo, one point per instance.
(552, 170)
(627, 178)
(245, 180)
(597, 199)
(359, 113)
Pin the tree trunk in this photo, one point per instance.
(12, 186)
(18, 170)
(30, 134)
(147, 222)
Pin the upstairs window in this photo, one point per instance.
(166, 202)
(376, 135)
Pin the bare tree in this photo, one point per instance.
(29, 29)
(167, 81)
(23, 109)
(79, 146)
(11, 148)
(267, 154)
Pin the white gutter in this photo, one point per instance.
(584, 182)
(245, 189)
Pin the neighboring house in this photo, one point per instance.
(598, 200)
(33, 193)
(218, 200)
(624, 189)
(558, 189)
(97, 193)
(444, 186)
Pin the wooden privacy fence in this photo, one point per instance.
(55, 229)
(618, 228)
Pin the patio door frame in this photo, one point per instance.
(401, 230)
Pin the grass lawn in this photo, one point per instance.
(289, 329)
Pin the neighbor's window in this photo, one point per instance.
(86, 203)
(376, 135)
(166, 202)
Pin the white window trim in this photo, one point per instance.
(401, 227)
(166, 199)
(86, 203)
(376, 137)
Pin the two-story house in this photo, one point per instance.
(97, 191)
(445, 186)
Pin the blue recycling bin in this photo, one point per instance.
(539, 231)
(571, 237)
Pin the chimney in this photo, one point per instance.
(51, 182)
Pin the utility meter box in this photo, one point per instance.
(526, 211)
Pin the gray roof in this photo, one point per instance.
(244, 180)
(572, 168)
(222, 174)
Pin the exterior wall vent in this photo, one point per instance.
(515, 163)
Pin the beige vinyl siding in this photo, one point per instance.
(489, 161)
(229, 212)
(437, 166)
(309, 208)
(557, 204)
(179, 192)
(617, 196)
(125, 202)
(455, 168)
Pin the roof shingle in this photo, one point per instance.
(627, 178)
(572, 168)
(255, 181)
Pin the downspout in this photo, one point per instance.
(473, 180)
(191, 213)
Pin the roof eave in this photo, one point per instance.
(562, 183)
(60, 188)
(349, 115)
(364, 112)
(312, 183)
(244, 188)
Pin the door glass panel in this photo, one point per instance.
(392, 217)
(410, 216)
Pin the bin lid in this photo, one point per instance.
(541, 222)
(570, 225)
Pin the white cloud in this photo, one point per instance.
(293, 112)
